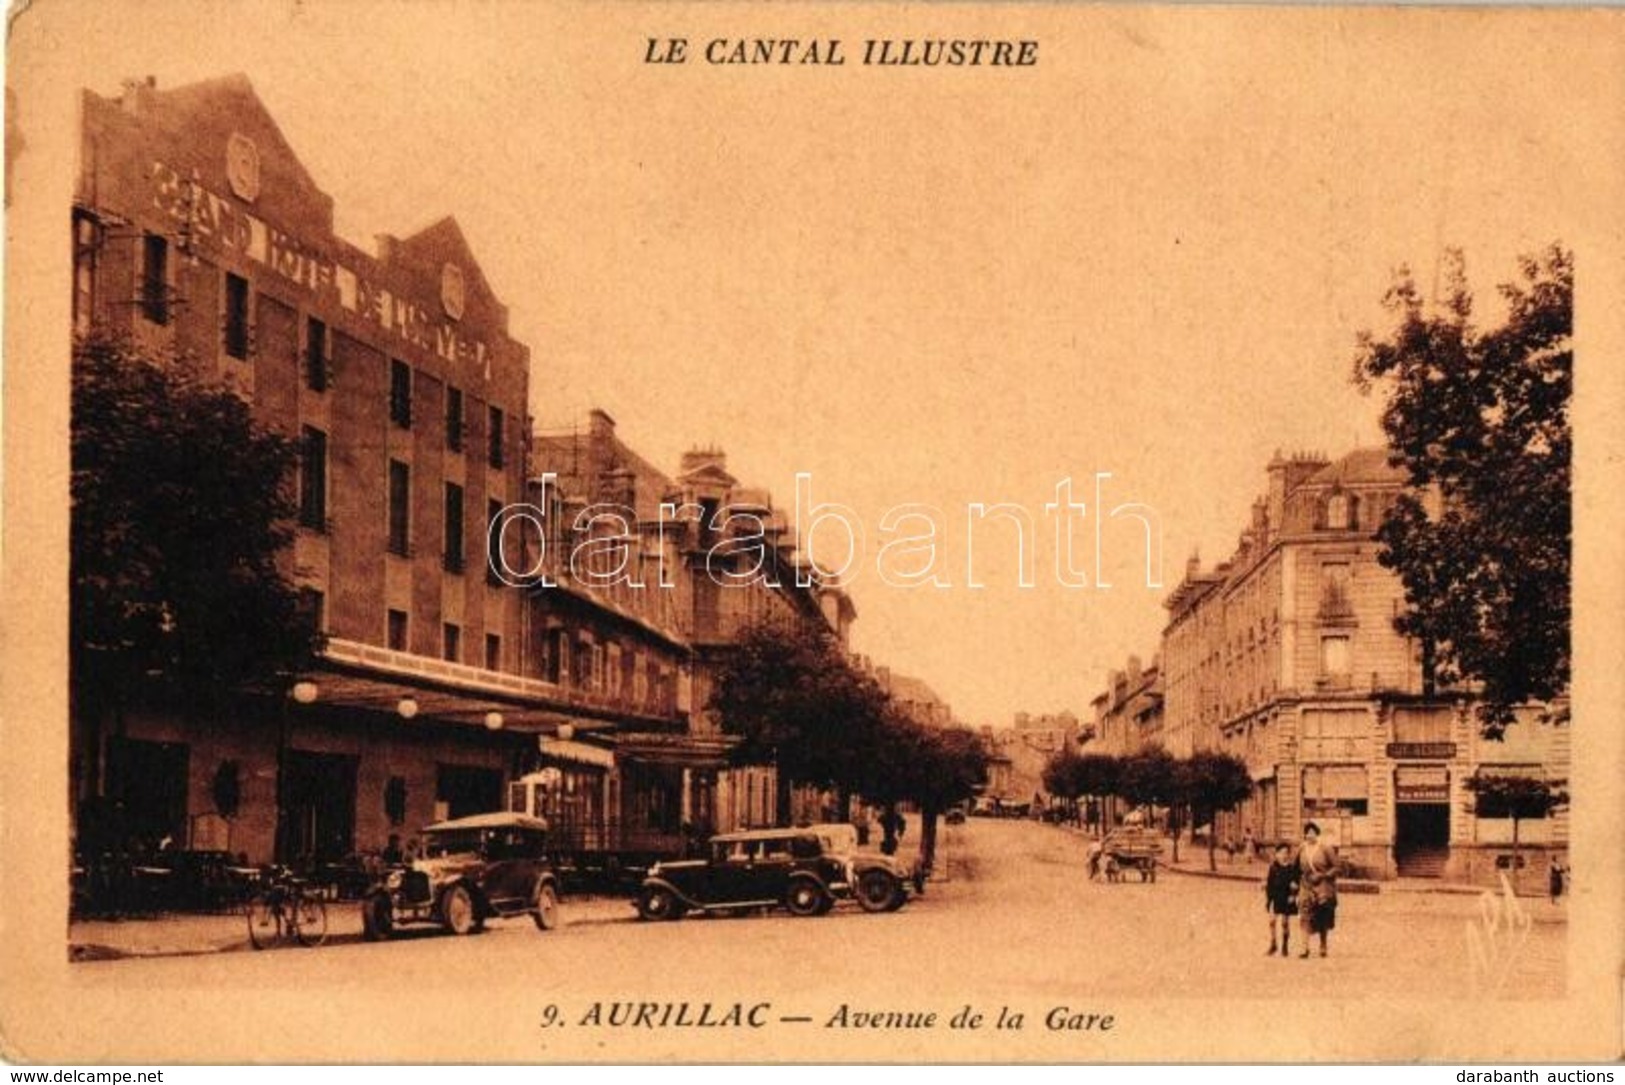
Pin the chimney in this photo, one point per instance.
(1275, 500)
(697, 458)
(137, 95)
(618, 486)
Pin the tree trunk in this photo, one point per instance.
(1516, 868)
(1212, 841)
(928, 838)
(781, 797)
(888, 828)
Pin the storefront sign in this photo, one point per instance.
(1422, 783)
(212, 221)
(1418, 751)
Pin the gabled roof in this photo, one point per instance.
(442, 242)
(234, 96)
(1362, 465)
(711, 474)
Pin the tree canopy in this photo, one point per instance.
(181, 515)
(1479, 417)
(793, 697)
(1212, 782)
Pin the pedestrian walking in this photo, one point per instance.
(1096, 848)
(1249, 846)
(1555, 878)
(1317, 890)
(1281, 898)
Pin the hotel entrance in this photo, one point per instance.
(1421, 820)
(318, 809)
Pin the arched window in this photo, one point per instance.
(1337, 511)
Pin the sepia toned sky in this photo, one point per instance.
(1148, 255)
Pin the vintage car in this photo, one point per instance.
(472, 869)
(878, 882)
(805, 870)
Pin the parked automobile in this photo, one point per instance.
(955, 814)
(879, 882)
(804, 870)
(472, 869)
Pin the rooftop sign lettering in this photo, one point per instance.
(209, 220)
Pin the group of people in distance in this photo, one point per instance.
(1302, 885)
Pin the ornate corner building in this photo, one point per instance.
(1286, 656)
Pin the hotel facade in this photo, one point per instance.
(200, 240)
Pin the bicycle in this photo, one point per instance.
(283, 909)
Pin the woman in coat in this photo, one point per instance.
(1317, 896)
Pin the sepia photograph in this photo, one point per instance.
(811, 533)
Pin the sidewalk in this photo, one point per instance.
(1193, 862)
(186, 934)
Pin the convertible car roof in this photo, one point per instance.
(498, 820)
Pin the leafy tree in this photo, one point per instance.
(1099, 776)
(1150, 778)
(795, 700)
(181, 519)
(1517, 797)
(1480, 420)
(1060, 776)
(1074, 775)
(933, 767)
(1214, 782)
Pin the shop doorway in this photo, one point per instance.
(461, 790)
(1421, 838)
(318, 809)
(146, 783)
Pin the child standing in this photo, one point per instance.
(1281, 897)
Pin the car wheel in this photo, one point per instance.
(805, 898)
(876, 890)
(457, 910)
(658, 902)
(546, 913)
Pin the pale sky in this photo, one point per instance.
(1148, 255)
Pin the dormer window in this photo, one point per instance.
(1337, 512)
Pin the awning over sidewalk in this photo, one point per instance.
(581, 753)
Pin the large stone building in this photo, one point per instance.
(659, 591)
(1020, 753)
(1287, 656)
(1128, 712)
(201, 239)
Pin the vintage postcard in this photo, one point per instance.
(1057, 533)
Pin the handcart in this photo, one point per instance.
(1131, 848)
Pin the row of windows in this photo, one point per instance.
(608, 668)
(451, 640)
(237, 341)
(313, 504)
(400, 413)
